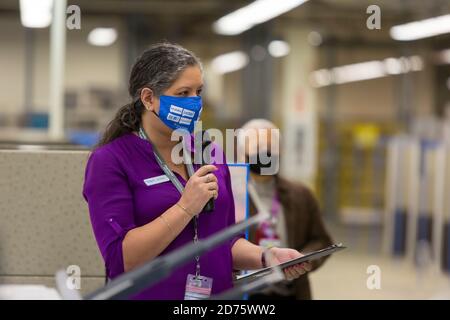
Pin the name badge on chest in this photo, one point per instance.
(156, 180)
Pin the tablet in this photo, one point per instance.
(307, 257)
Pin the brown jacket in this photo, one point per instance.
(305, 228)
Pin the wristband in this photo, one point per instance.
(263, 259)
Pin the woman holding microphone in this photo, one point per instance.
(143, 205)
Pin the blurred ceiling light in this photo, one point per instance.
(315, 38)
(102, 36)
(278, 48)
(257, 12)
(229, 62)
(393, 66)
(358, 71)
(443, 56)
(416, 63)
(421, 29)
(321, 78)
(258, 53)
(36, 13)
(365, 71)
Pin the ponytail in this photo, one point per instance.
(126, 120)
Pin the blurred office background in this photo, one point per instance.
(363, 106)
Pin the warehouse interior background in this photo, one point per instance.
(364, 118)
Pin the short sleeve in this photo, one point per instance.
(110, 201)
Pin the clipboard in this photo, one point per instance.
(307, 257)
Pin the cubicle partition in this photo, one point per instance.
(44, 220)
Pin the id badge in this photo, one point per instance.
(267, 242)
(198, 288)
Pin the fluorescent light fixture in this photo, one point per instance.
(229, 62)
(358, 71)
(257, 12)
(421, 29)
(278, 48)
(393, 66)
(321, 78)
(36, 13)
(365, 71)
(102, 36)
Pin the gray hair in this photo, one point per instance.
(157, 69)
(256, 125)
(252, 138)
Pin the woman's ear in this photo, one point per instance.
(148, 99)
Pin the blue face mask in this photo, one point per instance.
(180, 112)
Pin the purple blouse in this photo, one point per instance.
(119, 200)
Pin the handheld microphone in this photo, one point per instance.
(206, 159)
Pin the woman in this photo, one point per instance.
(137, 213)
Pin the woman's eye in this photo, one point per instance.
(199, 92)
(184, 93)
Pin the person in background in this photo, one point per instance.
(296, 219)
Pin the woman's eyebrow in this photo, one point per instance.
(188, 88)
(182, 88)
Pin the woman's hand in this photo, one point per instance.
(280, 255)
(201, 187)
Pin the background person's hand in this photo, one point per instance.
(280, 255)
(201, 187)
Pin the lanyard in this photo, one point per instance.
(176, 182)
(275, 208)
